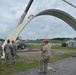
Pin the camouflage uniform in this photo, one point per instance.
(45, 58)
(14, 50)
(8, 55)
(0, 52)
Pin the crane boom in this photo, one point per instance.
(25, 12)
(69, 3)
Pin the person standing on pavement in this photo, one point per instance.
(45, 56)
(14, 49)
(8, 54)
(1, 52)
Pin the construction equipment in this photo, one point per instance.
(69, 3)
(20, 26)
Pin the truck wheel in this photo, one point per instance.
(23, 46)
(19, 47)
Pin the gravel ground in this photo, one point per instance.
(63, 67)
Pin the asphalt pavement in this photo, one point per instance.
(63, 67)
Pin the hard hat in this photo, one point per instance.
(45, 40)
(8, 40)
(12, 41)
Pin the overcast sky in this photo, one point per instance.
(39, 27)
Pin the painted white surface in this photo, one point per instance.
(15, 33)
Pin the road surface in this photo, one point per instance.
(63, 67)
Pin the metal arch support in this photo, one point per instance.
(52, 12)
(60, 14)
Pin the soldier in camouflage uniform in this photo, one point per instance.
(0, 51)
(8, 54)
(45, 56)
(14, 50)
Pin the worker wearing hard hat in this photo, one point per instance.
(14, 49)
(45, 56)
(7, 50)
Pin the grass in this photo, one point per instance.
(20, 66)
(67, 47)
(58, 56)
(16, 67)
(55, 47)
(24, 66)
(37, 46)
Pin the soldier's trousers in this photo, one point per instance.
(8, 58)
(43, 63)
(14, 56)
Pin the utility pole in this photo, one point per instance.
(69, 3)
(25, 12)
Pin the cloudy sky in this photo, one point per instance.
(39, 27)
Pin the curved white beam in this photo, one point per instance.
(15, 33)
(54, 12)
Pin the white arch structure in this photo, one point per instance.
(52, 12)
